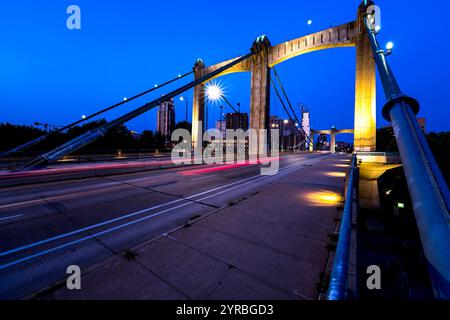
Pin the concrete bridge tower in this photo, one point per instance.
(365, 88)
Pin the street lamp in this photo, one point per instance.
(184, 99)
(309, 23)
(389, 47)
(214, 92)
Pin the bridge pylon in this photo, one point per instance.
(365, 87)
(260, 91)
(260, 84)
(198, 107)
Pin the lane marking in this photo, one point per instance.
(207, 177)
(62, 196)
(12, 263)
(91, 190)
(11, 217)
(102, 187)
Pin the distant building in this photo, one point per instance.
(275, 122)
(322, 142)
(166, 118)
(422, 124)
(344, 147)
(135, 135)
(238, 120)
(386, 137)
(288, 131)
(221, 126)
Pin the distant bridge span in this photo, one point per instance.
(332, 132)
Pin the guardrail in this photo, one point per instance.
(19, 158)
(379, 157)
(338, 282)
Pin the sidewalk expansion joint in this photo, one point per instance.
(237, 268)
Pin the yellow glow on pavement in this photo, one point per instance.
(336, 174)
(341, 165)
(323, 198)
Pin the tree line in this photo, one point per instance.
(118, 138)
(439, 143)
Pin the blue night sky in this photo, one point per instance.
(54, 75)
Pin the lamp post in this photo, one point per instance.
(187, 106)
(309, 23)
(206, 116)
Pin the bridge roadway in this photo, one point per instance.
(266, 233)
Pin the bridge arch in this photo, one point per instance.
(352, 34)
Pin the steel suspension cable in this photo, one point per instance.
(94, 134)
(284, 106)
(284, 93)
(299, 128)
(229, 104)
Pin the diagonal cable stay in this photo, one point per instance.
(45, 136)
(92, 135)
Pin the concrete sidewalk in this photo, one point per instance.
(269, 245)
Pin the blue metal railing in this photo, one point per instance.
(338, 282)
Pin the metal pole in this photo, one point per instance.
(206, 120)
(221, 121)
(428, 189)
(229, 104)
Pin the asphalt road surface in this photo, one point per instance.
(44, 228)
